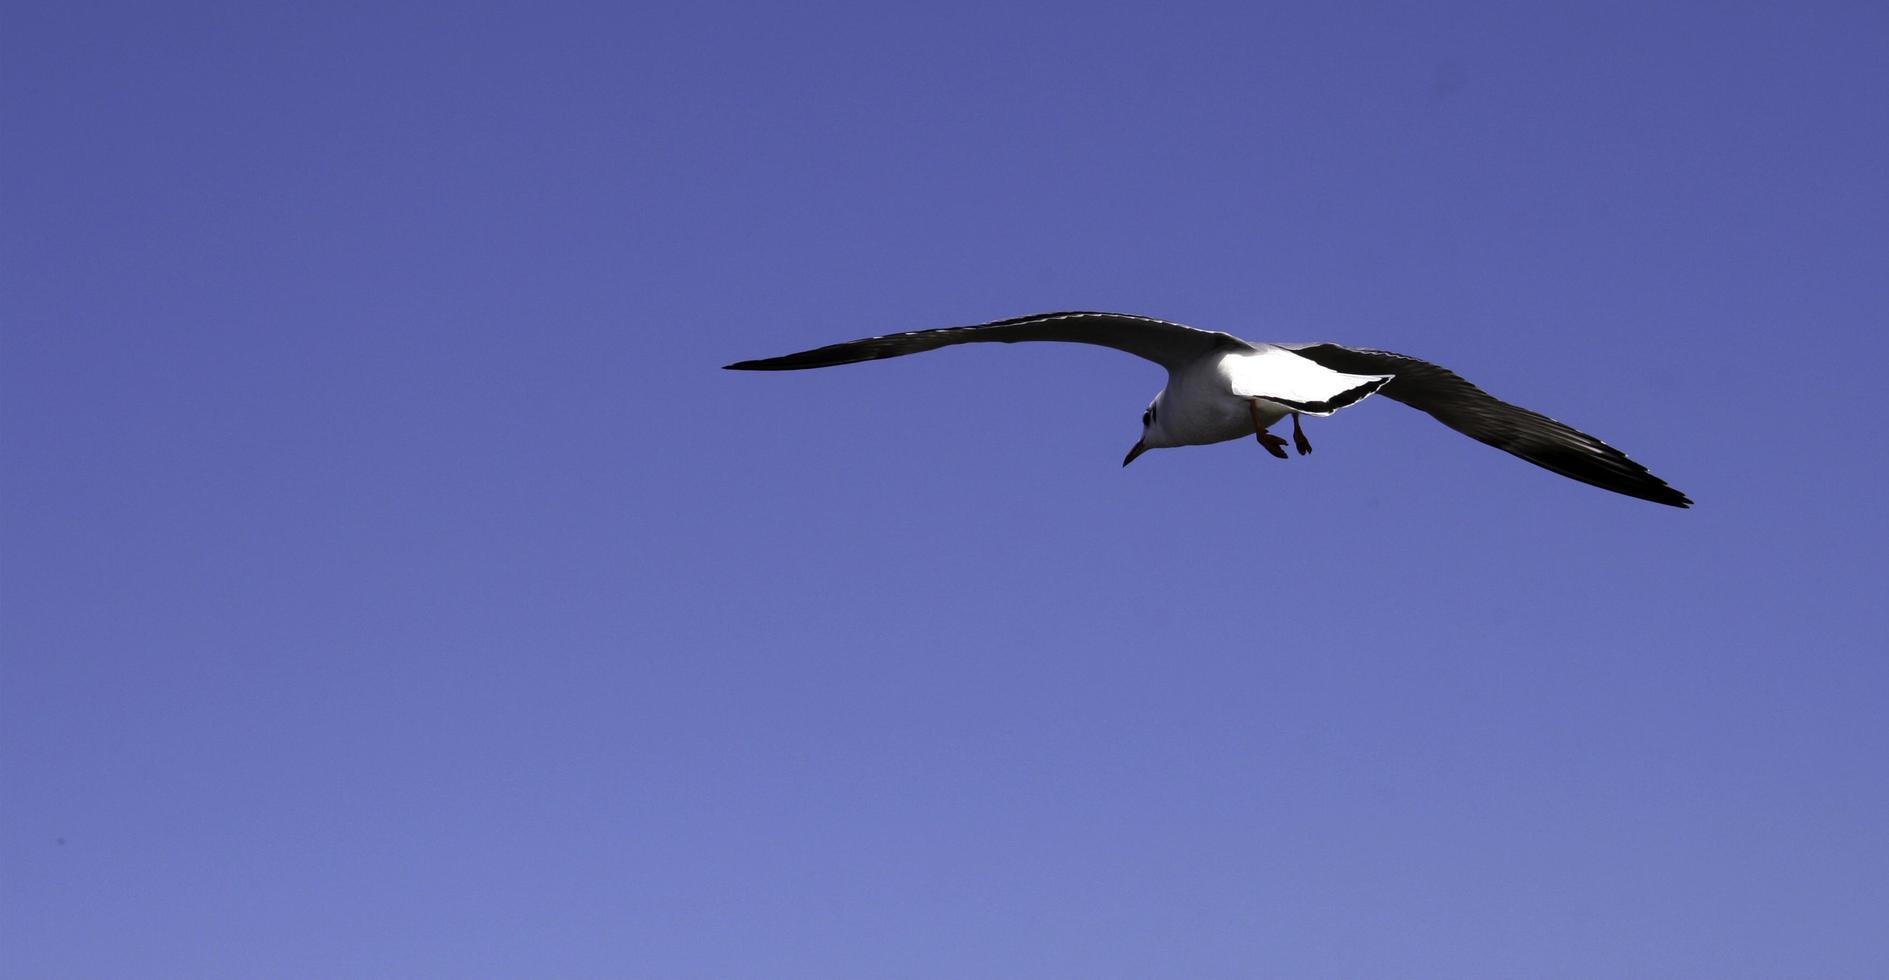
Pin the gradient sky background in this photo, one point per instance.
(393, 584)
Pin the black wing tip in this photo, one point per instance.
(820, 357)
(1670, 497)
(1597, 464)
(1658, 494)
(1618, 474)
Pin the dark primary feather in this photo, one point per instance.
(1481, 416)
(1167, 344)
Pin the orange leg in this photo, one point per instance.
(1273, 443)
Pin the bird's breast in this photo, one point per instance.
(1199, 406)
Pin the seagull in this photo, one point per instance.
(1221, 388)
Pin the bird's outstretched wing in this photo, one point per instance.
(1511, 428)
(1167, 344)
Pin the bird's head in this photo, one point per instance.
(1153, 436)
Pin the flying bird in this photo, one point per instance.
(1221, 387)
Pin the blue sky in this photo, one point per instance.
(391, 584)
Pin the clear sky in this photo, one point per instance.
(393, 585)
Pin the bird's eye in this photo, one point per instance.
(1147, 418)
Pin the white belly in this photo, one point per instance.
(1200, 407)
(1213, 399)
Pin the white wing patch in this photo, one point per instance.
(1276, 374)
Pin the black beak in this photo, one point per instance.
(1140, 447)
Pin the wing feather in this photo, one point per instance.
(1481, 416)
(1167, 344)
